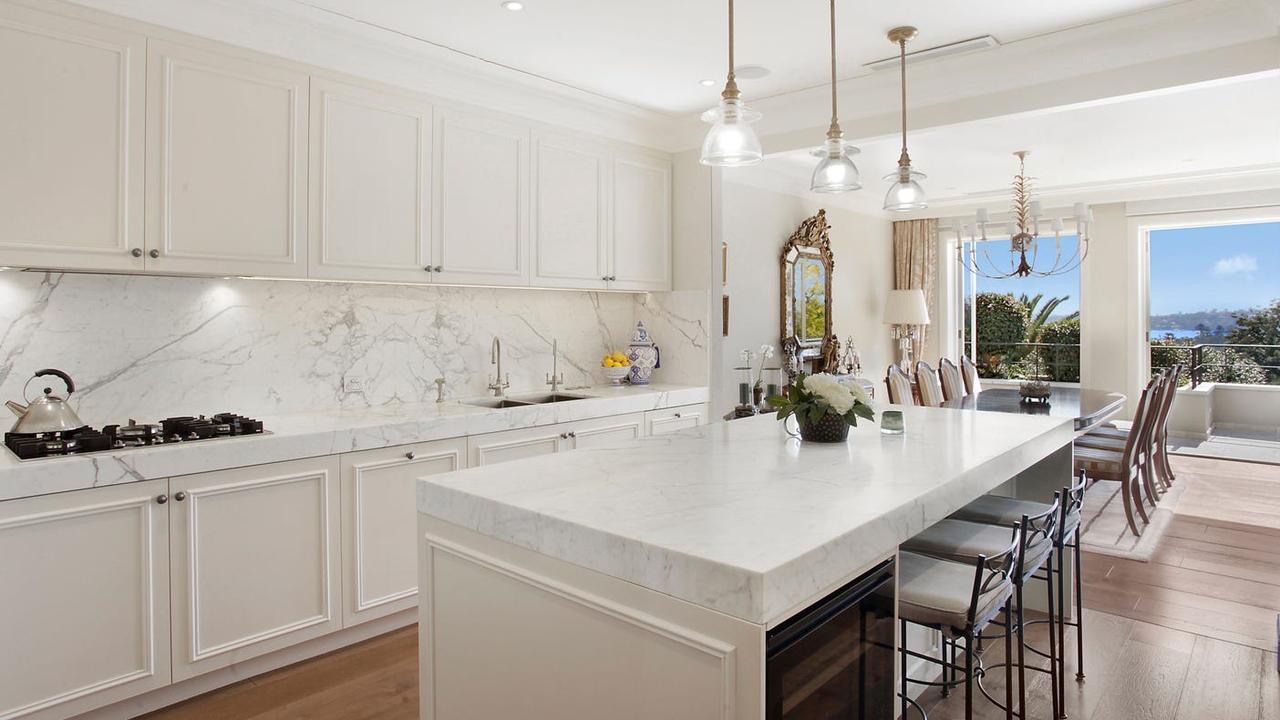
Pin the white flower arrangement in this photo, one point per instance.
(814, 396)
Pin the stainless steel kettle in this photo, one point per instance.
(48, 413)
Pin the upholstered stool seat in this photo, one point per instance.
(962, 541)
(1007, 511)
(938, 593)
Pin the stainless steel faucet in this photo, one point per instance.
(499, 383)
(556, 378)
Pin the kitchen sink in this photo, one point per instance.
(523, 400)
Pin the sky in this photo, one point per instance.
(1229, 267)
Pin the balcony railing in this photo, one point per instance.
(1249, 364)
(1058, 362)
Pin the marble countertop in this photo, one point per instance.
(302, 435)
(737, 516)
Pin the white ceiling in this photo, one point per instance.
(652, 53)
(1225, 130)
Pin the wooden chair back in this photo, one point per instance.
(1136, 443)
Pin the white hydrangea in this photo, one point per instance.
(837, 395)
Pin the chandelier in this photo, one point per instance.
(1027, 257)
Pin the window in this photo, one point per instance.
(1215, 302)
(1022, 327)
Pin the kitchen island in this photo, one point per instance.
(643, 579)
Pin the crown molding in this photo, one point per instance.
(306, 34)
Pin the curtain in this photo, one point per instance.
(915, 265)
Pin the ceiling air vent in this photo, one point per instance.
(956, 48)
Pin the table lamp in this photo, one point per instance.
(906, 311)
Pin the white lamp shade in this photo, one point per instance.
(906, 307)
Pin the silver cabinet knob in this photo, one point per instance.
(180, 496)
(573, 434)
(676, 415)
(153, 254)
(605, 278)
(564, 436)
(136, 252)
(429, 268)
(439, 268)
(410, 455)
(162, 499)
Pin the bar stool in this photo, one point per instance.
(964, 540)
(1000, 510)
(959, 600)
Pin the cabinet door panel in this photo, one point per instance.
(84, 584)
(641, 223)
(71, 139)
(570, 214)
(483, 211)
(255, 561)
(370, 184)
(380, 521)
(497, 447)
(606, 431)
(227, 153)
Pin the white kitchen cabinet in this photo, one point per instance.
(255, 558)
(71, 143)
(482, 210)
(519, 444)
(84, 584)
(669, 420)
(571, 234)
(227, 164)
(604, 431)
(380, 521)
(370, 184)
(641, 237)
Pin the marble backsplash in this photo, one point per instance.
(149, 347)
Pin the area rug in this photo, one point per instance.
(1105, 531)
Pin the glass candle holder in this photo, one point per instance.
(744, 393)
(773, 381)
(891, 422)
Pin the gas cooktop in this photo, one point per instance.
(182, 429)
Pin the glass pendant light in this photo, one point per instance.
(905, 194)
(731, 142)
(835, 172)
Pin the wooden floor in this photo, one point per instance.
(1189, 636)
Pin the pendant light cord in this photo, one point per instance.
(835, 122)
(902, 62)
(731, 85)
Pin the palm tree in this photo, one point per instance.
(1040, 315)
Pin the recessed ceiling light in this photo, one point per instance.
(513, 5)
(751, 72)
(706, 83)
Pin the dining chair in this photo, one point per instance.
(899, 386)
(1114, 439)
(952, 382)
(1125, 466)
(972, 384)
(930, 388)
(1160, 439)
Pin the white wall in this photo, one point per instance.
(756, 224)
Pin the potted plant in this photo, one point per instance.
(824, 407)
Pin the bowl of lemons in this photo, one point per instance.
(616, 367)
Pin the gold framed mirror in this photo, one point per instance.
(807, 267)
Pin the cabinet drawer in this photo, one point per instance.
(514, 445)
(669, 420)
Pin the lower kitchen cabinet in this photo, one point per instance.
(508, 445)
(84, 587)
(380, 521)
(669, 420)
(255, 561)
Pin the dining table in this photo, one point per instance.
(1088, 408)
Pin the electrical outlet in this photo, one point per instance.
(352, 384)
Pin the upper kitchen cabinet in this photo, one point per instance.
(227, 164)
(71, 139)
(482, 210)
(641, 257)
(370, 184)
(571, 187)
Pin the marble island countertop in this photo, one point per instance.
(314, 434)
(737, 516)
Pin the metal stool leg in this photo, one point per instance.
(1008, 664)
(1062, 626)
(1055, 650)
(1079, 614)
(1022, 655)
(968, 677)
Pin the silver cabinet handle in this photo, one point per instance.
(676, 415)
(153, 254)
(179, 496)
(410, 455)
(136, 252)
(162, 499)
